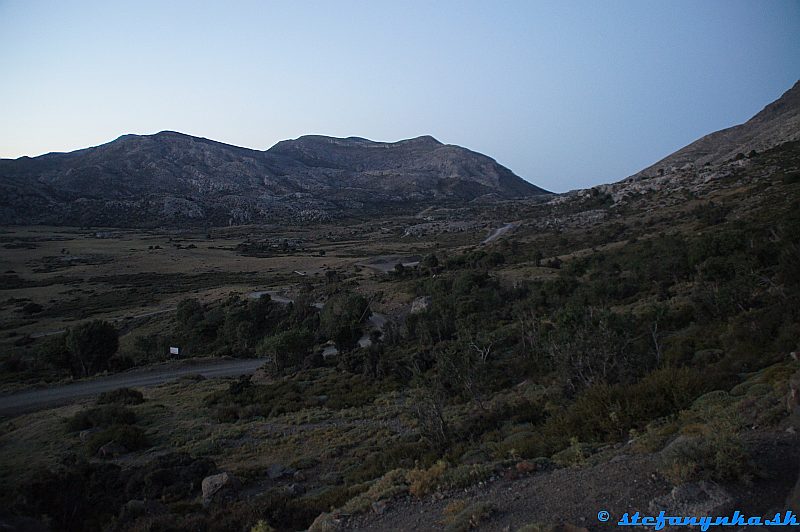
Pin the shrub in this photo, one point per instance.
(425, 481)
(463, 476)
(711, 450)
(75, 496)
(121, 396)
(104, 416)
(131, 437)
(470, 517)
(90, 346)
(169, 478)
(572, 456)
(32, 308)
(388, 486)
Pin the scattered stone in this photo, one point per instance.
(695, 498)
(298, 476)
(329, 351)
(219, 486)
(420, 304)
(379, 507)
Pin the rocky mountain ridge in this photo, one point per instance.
(174, 179)
(777, 123)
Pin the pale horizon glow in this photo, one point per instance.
(565, 94)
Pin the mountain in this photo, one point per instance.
(777, 123)
(173, 179)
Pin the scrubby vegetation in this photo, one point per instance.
(537, 349)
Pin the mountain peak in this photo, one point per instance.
(170, 178)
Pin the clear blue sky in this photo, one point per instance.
(567, 94)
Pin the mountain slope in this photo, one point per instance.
(172, 178)
(778, 122)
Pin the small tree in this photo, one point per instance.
(90, 345)
(341, 318)
(286, 349)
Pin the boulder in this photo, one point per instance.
(327, 522)
(219, 486)
(695, 498)
(420, 304)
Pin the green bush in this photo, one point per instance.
(104, 416)
(121, 396)
(90, 346)
(131, 437)
(712, 451)
(471, 517)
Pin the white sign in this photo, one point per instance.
(174, 351)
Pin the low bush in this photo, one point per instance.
(101, 417)
(388, 486)
(307, 389)
(121, 396)
(131, 437)
(424, 481)
(471, 517)
(709, 446)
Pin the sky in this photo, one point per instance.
(566, 94)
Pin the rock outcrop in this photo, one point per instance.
(777, 123)
(219, 486)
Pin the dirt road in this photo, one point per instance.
(500, 231)
(32, 400)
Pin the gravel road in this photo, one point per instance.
(500, 231)
(32, 400)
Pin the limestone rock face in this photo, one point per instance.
(219, 486)
(172, 179)
(777, 123)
